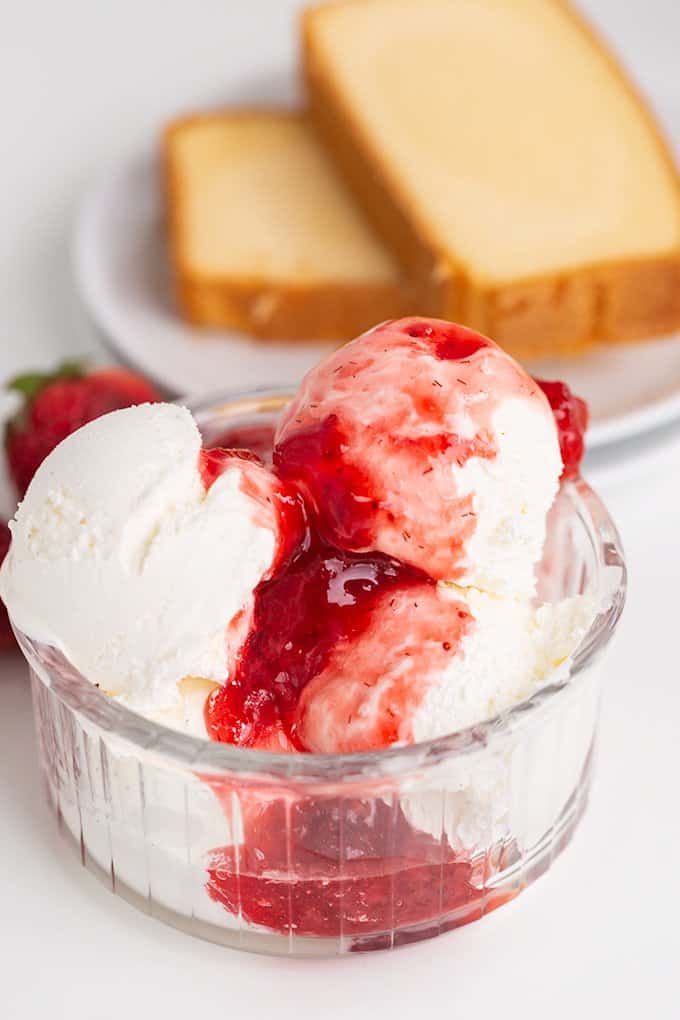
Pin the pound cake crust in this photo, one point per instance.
(612, 296)
(262, 289)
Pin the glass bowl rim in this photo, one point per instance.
(199, 753)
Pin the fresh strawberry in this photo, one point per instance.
(57, 404)
(6, 635)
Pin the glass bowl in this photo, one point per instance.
(328, 854)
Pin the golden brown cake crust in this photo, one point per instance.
(260, 306)
(559, 313)
(285, 312)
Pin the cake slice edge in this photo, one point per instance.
(257, 304)
(561, 312)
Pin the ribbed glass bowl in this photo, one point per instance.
(327, 854)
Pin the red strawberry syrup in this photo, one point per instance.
(256, 438)
(300, 615)
(348, 866)
(339, 866)
(571, 417)
(351, 866)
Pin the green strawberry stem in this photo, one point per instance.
(29, 384)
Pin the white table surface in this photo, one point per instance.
(83, 82)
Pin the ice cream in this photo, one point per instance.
(421, 671)
(195, 587)
(425, 441)
(137, 556)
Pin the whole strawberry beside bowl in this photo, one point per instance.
(56, 404)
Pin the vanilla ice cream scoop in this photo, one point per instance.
(433, 660)
(136, 554)
(425, 441)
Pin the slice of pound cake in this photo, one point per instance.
(506, 159)
(264, 235)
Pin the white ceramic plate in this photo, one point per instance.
(123, 277)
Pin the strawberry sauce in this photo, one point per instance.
(323, 605)
(571, 417)
(450, 342)
(316, 607)
(347, 867)
(256, 438)
(336, 866)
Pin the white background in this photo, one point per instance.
(86, 81)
